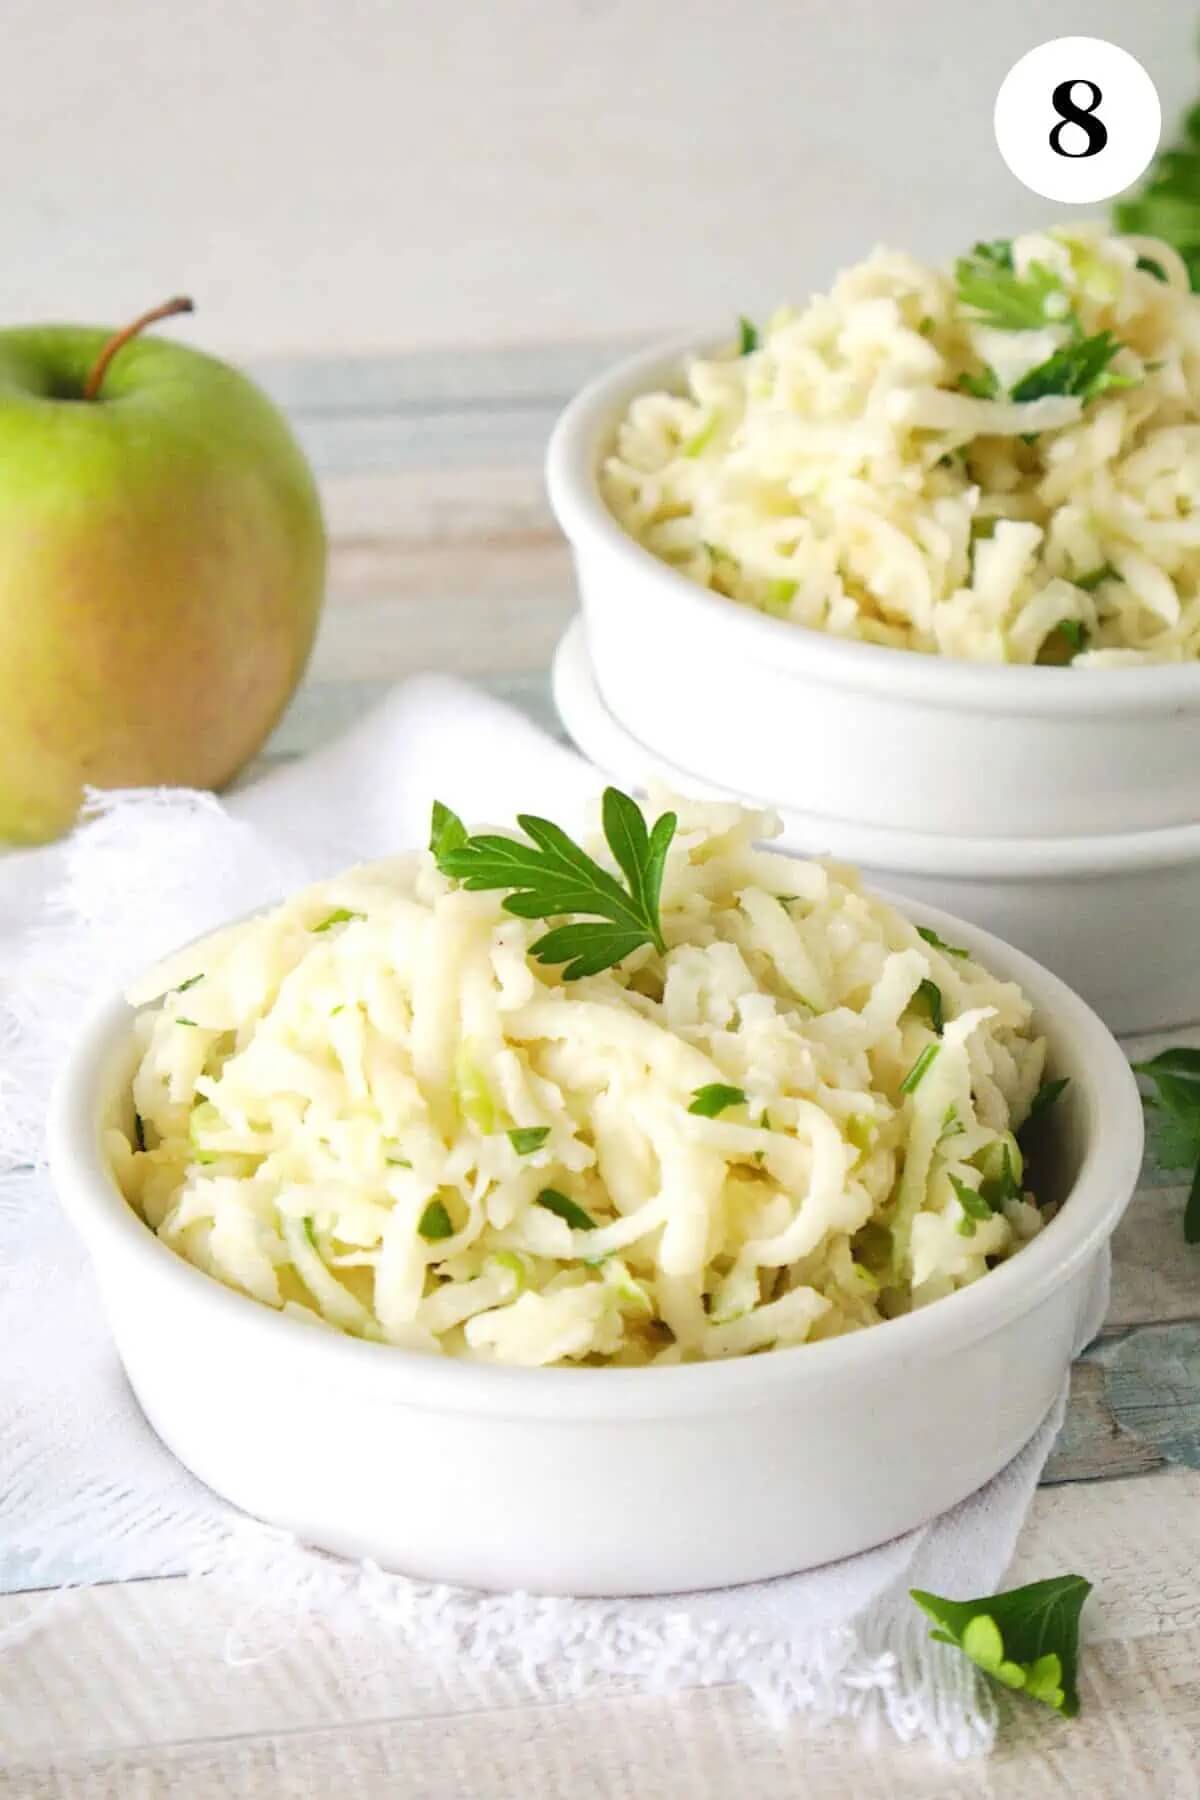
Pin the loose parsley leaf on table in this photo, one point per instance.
(1027, 1638)
(551, 876)
(1176, 1076)
(747, 336)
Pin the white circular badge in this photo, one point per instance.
(1077, 120)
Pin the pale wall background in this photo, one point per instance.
(330, 174)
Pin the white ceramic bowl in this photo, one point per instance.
(608, 1481)
(1114, 916)
(852, 731)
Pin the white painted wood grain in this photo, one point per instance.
(129, 1694)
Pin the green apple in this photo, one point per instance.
(162, 567)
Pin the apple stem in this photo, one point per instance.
(168, 310)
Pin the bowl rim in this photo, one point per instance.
(888, 849)
(115, 1235)
(573, 454)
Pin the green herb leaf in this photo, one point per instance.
(397, 1162)
(525, 1139)
(996, 251)
(1062, 645)
(446, 832)
(1168, 205)
(980, 387)
(747, 336)
(920, 1069)
(551, 876)
(309, 1233)
(1089, 583)
(1176, 1077)
(189, 983)
(1045, 1097)
(565, 1209)
(1079, 369)
(779, 595)
(931, 937)
(708, 1101)
(973, 1203)
(190, 1022)
(1027, 1638)
(340, 916)
(698, 443)
(952, 1125)
(997, 296)
(435, 1222)
(929, 995)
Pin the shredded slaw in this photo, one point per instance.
(868, 469)
(370, 1108)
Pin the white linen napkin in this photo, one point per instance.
(87, 1492)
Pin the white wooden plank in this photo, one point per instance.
(130, 1694)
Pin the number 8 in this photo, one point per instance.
(1069, 113)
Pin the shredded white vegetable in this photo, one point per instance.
(838, 476)
(372, 1107)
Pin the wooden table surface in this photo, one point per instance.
(445, 557)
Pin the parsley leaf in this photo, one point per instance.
(708, 1101)
(973, 1203)
(340, 916)
(1027, 1638)
(1079, 369)
(1062, 645)
(1168, 205)
(446, 832)
(1045, 1097)
(747, 336)
(525, 1139)
(551, 876)
(930, 936)
(189, 983)
(919, 1070)
(435, 1222)
(929, 995)
(997, 251)
(1090, 582)
(1003, 299)
(1176, 1076)
(980, 387)
(565, 1209)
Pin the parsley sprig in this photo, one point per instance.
(1079, 369)
(999, 297)
(1176, 1077)
(1168, 205)
(1027, 1639)
(551, 877)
